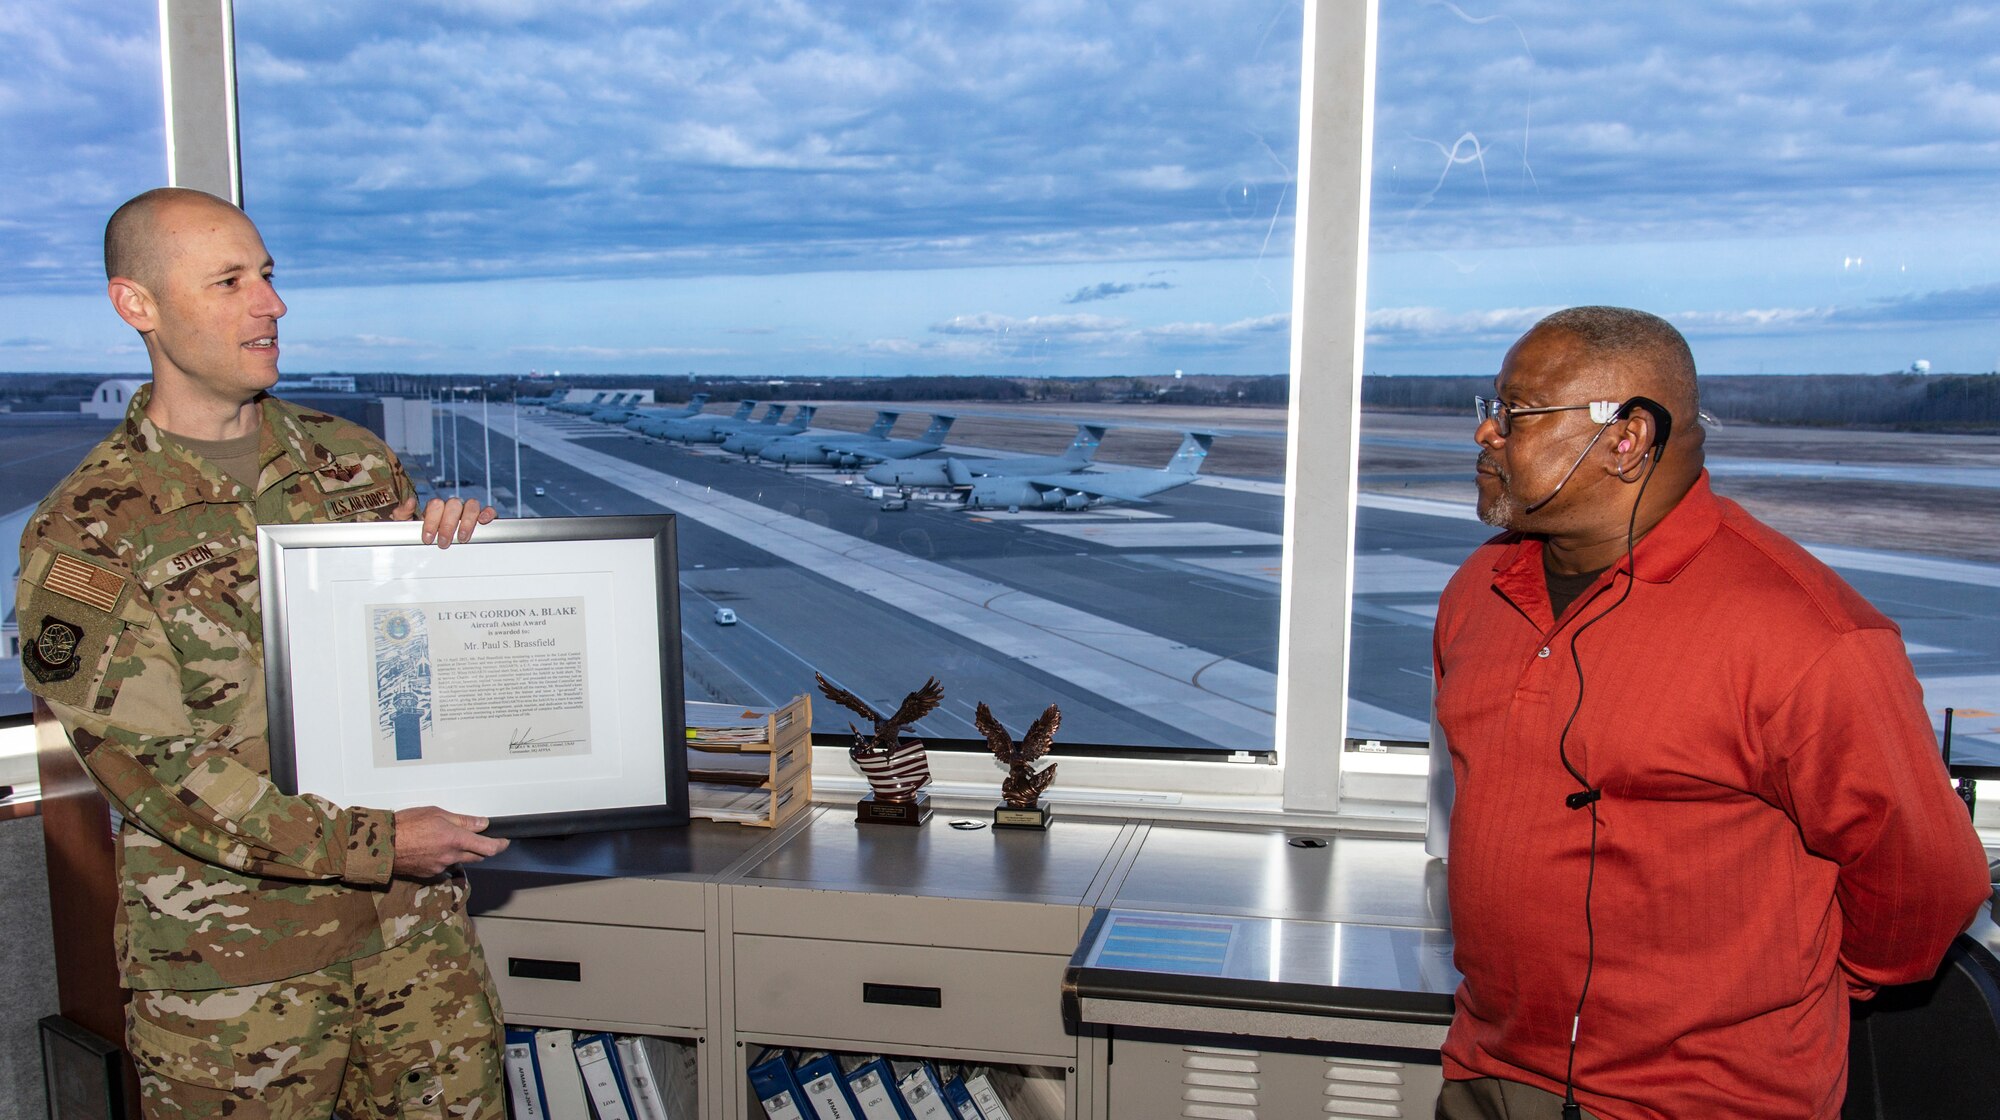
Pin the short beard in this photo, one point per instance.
(1501, 512)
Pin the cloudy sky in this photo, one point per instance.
(1039, 186)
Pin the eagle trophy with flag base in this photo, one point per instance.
(896, 768)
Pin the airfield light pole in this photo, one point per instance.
(436, 394)
(486, 436)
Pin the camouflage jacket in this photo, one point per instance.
(141, 627)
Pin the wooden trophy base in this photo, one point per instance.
(915, 811)
(1034, 816)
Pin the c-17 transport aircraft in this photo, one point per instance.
(847, 449)
(1080, 491)
(957, 473)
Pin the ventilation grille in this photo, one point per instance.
(1221, 1084)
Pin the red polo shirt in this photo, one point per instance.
(1776, 829)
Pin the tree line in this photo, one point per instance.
(1955, 402)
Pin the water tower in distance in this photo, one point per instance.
(1921, 365)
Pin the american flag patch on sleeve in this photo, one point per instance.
(86, 583)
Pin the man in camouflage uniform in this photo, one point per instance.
(288, 957)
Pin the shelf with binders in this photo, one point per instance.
(810, 1082)
(559, 1073)
(749, 765)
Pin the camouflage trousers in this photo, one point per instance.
(414, 1032)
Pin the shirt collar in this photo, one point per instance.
(187, 479)
(1659, 556)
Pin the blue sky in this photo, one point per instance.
(1032, 187)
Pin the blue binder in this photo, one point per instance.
(771, 1078)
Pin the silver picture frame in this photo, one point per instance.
(531, 675)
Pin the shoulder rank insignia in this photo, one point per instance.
(52, 656)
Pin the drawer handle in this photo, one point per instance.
(902, 995)
(531, 969)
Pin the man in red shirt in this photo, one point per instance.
(1698, 803)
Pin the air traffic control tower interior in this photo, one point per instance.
(1244, 915)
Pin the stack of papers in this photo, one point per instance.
(723, 725)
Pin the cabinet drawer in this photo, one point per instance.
(901, 995)
(575, 970)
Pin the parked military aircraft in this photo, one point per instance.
(656, 426)
(748, 441)
(711, 429)
(1079, 491)
(842, 449)
(954, 472)
(798, 445)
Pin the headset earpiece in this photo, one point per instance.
(1663, 423)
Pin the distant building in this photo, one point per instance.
(111, 397)
(316, 383)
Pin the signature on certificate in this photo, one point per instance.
(523, 740)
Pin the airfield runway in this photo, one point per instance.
(1155, 627)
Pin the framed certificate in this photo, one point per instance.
(531, 675)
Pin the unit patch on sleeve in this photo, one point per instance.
(83, 581)
(52, 656)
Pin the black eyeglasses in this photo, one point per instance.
(1502, 414)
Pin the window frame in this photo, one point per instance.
(1329, 296)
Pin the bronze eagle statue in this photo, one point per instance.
(1023, 785)
(888, 729)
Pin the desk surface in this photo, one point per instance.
(1303, 876)
(1057, 866)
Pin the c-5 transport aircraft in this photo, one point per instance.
(715, 429)
(1079, 491)
(657, 426)
(848, 449)
(748, 441)
(957, 473)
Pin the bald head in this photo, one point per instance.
(1649, 356)
(134, 246)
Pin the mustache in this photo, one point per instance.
(1485, 461)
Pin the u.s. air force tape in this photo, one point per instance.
(52, 656)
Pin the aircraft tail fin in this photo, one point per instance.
(1084, 447)
(743, 410)
(883, 422)
(940, 424)
(773, 413)
(1193, 449)
(805, 414)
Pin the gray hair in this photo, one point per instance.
(1648, 341)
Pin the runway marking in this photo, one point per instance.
(1834, 556)
(1386, 573)
(1252, 567)
(1969, 695)
(1178, 534)
(1153, 675)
